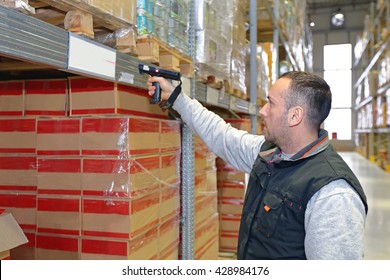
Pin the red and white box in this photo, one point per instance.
(120, 218)
(57, 247)
(59, 215)
(169, 239)
(59, 136)
(143, 248)
(206, 180)
(230, 205)
(170, 136)
(136, 101)
(231, 190)
(18, 136)
(229, 222)
(206, 239)
(228, 241)
(18, 173)
(120, 136)
(170, 203)
(170, 169)
(95, 97)
(46, 97)
(11, 98)
(115, 177)
(206, 205)
(22, 206)
(59, 176)
(226, 172)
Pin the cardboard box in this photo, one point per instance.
(143, 248)
(18, 173)
(230, 206)
(11, 235)
(170, 203)
(96, 97)
(229, 223)
(22, 206)
(113, 177)
(206, 181)
(122, 9)
(18, 136)
(228, 241)
(59, 136)
(170, 169)
(120, 136)
(46, 97)
(59, 215)
(57, 247)
(231, 190)
(241, 124)
(59, 176)
(11, 98)
(170, 136)
(206, 239)
(226, 172)
(169, 238)
(206, 205)
(120, 218)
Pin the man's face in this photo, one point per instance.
(274, 113)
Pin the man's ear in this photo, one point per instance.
(295, 115)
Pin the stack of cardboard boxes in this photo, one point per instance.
(99, 184)
(205, 203)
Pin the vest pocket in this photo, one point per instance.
(269, 213)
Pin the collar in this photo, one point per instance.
(275, 155)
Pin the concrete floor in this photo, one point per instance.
(376, 184)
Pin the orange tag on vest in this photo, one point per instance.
(266, 208)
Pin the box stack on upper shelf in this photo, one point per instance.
(294, 32)
(372, 103)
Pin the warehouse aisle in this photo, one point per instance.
(376, 184)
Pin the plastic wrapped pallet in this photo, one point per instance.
(214, 25)
(122, 9)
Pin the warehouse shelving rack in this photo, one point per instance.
(31, 40)
(374, 47)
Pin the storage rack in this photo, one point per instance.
(31, 40)
(372, 50)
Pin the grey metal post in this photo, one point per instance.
(187, 179)
(276, 38)
(253, 60)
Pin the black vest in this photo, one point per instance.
(272, 223)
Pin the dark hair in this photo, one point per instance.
(311, 92)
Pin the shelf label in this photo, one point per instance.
(91, 58)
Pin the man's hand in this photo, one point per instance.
(165, 86)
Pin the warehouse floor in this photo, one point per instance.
(376, 184)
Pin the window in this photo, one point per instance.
(338, 74)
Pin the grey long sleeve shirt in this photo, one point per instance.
(335, 215)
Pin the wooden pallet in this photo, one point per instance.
(155, 51)
(235, 92)
(211, 81)
(73, 15)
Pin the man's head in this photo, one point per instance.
(312, 93)
(297, 100)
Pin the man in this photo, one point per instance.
(302, 200)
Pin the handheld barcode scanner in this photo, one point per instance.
(167, 74)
